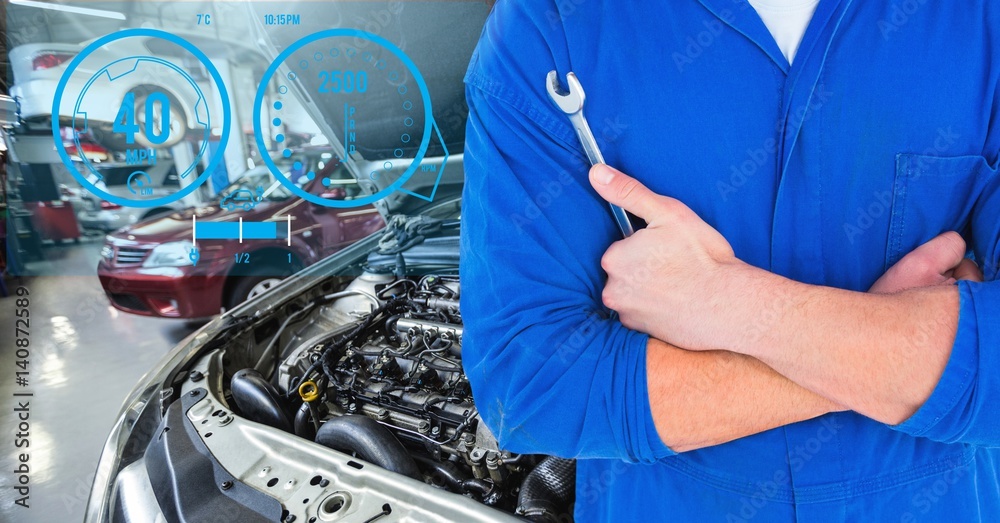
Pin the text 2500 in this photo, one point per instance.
(343, 81)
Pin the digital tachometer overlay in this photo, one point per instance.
(375, 104)
(156, 96)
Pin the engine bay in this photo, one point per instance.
(372, 369)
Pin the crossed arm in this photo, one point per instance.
(742, 350)
(775, 351)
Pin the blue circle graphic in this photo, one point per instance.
(136, 60)
(129, 33)
(406, 61)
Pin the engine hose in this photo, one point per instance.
(455, 480)
(259, 401)
(366, 439)
(547, 492)
(304, 427)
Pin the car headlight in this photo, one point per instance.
(172, 254)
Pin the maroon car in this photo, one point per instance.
(149, 269)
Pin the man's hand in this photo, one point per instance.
(670, 278)
(878, 354)
(668, 275)
(940, 261)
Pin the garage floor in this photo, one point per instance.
(85, 358)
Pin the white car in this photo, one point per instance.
(38, 68)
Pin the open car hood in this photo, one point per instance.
(438, 37)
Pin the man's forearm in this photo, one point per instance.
(680, 281)
(880, 355)
(701, 399)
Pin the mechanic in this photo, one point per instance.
(801, 331)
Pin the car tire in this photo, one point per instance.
(247, 206)
(256, 282)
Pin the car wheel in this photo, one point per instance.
(247, 206)
(262, 287)
(253, 285)
(177, 121)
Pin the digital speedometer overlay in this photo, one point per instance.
(148, 92)
(155, 96)
(375, 104)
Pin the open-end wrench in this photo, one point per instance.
(571, 103)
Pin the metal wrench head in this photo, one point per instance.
(570, 102)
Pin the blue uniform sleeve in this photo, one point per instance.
(551, 370)
(965, 405)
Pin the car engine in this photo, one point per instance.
(386, 385)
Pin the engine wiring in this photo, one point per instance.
(392, 374)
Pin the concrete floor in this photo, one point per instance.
(85, 358)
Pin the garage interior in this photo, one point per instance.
(74, 361)
(147, 285)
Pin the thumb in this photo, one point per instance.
(943, 253)
(968, 270)
(624, 191)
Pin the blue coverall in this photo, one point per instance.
(883, 134)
